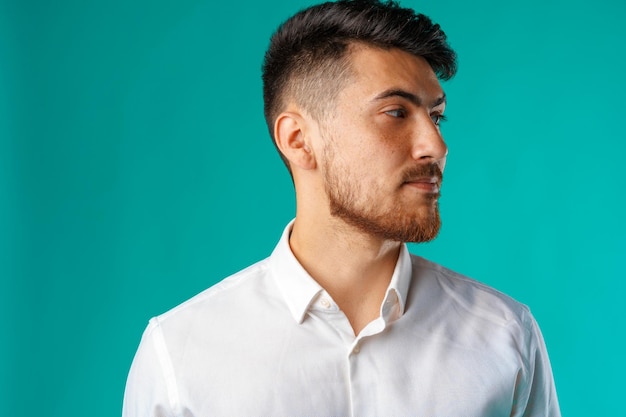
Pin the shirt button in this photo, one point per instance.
(325, 303)
(356, 349)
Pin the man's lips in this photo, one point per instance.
(425, 184)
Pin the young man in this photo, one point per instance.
(341, 320)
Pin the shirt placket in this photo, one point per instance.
(354, 345)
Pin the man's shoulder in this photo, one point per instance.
(224, 296)
(468, 294)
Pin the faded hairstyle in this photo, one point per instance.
(307, 59)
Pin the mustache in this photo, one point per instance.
(423, 171)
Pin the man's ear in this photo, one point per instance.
(290, 133)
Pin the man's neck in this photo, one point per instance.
(353, 267)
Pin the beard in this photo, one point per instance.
(400, 220)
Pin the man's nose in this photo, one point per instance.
(428, 144)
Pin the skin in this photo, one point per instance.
(381, 133)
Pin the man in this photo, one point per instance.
(341, 320)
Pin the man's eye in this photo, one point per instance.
(400, 113)
(437, 118)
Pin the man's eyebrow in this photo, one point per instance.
(396, 92)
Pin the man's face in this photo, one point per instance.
(384, 154)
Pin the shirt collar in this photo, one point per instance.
(401, 278)
(300, 290)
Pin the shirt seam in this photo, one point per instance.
(167, 367)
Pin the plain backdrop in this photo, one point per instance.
(136, 170)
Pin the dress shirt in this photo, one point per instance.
(269, 341)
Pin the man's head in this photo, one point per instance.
(307, 63)
(353, 103)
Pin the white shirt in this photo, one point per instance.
(269, 341)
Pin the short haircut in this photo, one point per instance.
(307, 63)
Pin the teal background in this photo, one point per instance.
(136, 170)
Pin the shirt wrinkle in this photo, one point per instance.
(498, 313)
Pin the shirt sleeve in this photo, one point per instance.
(535, 392)
(151, 385)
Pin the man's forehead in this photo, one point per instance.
(375, 70)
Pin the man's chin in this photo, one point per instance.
(419, 234)
(422, 227)
(406, 230)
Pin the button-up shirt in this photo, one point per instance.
(269, 341)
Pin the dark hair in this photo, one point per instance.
(306, 59)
